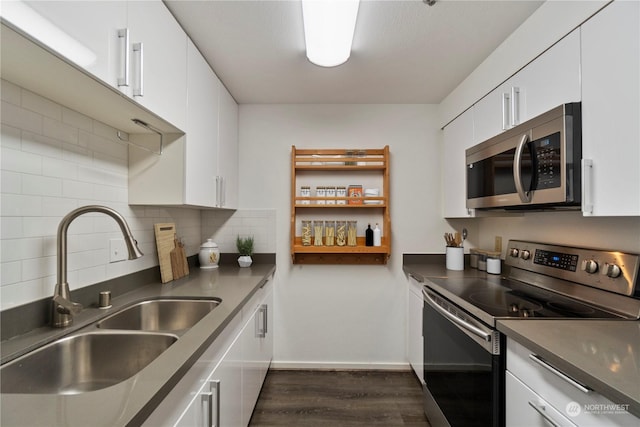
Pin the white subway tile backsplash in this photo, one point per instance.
(38, 104)
(77, 120)
(41, 186)
(224, 227)
(60, 131)
(52, 161)
(10, 137)
(19, 161)
(16, 116)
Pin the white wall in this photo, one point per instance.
(344, 316)
(54, 160)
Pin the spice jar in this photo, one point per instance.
(341, 192)
(329, 233)
(317, 232)
(352, 233)
(306, 233)
(320, 192)
(341, 233)
(330, 192)
(305, 191)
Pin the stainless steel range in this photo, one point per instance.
(463, 351)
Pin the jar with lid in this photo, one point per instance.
(318, 227)
(209, 255)
(321, 192)
(305, 191)
(352, 239)
(329, 233)
(341, 192)
(493, 263)
(341, 233)
(330, 191)
(306, 233)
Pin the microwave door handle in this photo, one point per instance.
(525, 196)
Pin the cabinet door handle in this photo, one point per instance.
(540, 361)
(218, 202)
(542, 410)
(505, 111)
(124, 35)
(515, 104)
(207, 399)
(261, 322)
(139, 49)
(587, 186)
(223, 191)
(215, 389)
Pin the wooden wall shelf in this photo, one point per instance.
(352, 162)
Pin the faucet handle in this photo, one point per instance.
(65, 306)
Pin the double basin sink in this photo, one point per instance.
(106, 352)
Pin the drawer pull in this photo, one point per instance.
(542, 410)
(583, 388)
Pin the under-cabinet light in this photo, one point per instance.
(328, 30)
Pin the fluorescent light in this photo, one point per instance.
(328, 30)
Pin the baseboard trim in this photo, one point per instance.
(340, 366)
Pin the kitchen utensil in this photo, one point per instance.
(464, 235)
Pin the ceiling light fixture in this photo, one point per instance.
(328, 30)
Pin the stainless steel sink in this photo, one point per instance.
(83, 362)
(161, 315)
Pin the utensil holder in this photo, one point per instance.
(455, 258)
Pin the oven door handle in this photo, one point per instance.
(459, 322)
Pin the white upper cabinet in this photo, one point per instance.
(158, 60)
(610, 111)
(228, 161)
(86, 33)
(458, 136)
(201, 155)
(550, 80)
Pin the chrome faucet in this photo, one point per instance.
(63, 307)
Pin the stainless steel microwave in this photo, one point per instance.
(535, 165)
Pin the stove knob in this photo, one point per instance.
(525, 254)
(611, 270)
(590, 266)
(514, 253)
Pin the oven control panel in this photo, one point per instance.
(613, 271)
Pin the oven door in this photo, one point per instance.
(463, 367)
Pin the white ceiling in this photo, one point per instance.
(404, 51)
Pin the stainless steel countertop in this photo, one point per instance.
(581, 348)
(131, 401)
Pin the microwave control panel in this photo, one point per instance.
(548, 157)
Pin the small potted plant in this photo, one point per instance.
(245, 249)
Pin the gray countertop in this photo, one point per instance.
(131, 401)
(603, 354)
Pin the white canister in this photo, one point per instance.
(493, 266)
(209, 254)
(455, 258)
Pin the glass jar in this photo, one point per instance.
(341, 233)
(320, 192)
(329, 233)
(318, 227)
(305, 191)
(341, 192)
(330, 192)
(352, 239)
(306, 233)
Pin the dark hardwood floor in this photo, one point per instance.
(339, 398)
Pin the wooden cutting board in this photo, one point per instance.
(171, 254)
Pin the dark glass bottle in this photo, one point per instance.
(368, 236)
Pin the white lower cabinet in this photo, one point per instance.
(539, 394)
(415, 348)
(221, 389)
